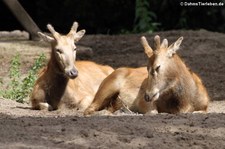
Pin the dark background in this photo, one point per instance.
(116, 16)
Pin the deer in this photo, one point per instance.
(64, 82)
(166, 85)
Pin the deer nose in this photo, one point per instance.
(73, 73)
(147, 97)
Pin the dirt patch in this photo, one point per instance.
(202, 51)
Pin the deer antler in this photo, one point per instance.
(157, 41)
(158, 45)
(52, 30)
(164, 44)
(148, 49)
(73, 29)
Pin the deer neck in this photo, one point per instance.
(184, 79)
(55, 72)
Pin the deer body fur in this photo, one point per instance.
(123, 87)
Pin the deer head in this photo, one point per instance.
(64, 49)
(162, 67)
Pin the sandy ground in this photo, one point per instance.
(202, 51)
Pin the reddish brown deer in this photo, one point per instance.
(65, 82)
(167, 85)
(172, 86)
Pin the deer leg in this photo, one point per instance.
(199, 112)
(186, 108)
(105, 95)
(115, 104)
(153, 108)
(45, 106)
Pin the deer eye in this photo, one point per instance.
(157, 68)
(152, 72)
(59, 51)
(74, 48)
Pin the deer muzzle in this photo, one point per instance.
(151, 97)
(72, 73)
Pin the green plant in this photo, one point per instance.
(14, 74)
(18, 89)
(144, 18)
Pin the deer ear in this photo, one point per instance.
(174, 47)
(79, 35)
(45, 37)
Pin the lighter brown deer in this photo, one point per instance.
(64, 82)
(167, 85)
